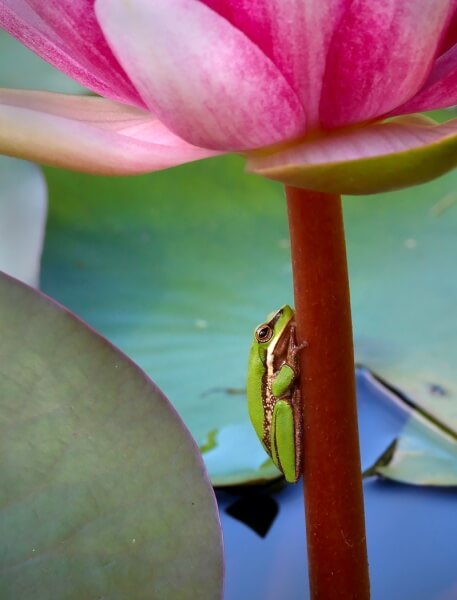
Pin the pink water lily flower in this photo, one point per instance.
(312, 92)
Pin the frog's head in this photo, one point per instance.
(267, 334)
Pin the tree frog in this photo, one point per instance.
(272, 391)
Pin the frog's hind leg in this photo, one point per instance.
(283, 440)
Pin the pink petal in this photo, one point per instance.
(88, 134)
(450, 35)
(295, 35)
(365, 160)
(203, 77)
(379, 57)
(67, 35)
(440, 90)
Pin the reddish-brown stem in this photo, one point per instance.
(337, 556)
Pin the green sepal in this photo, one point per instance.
(369, 159)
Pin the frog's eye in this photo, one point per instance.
(264, 333)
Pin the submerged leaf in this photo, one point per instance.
(425, 451)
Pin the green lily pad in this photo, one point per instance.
(179, 267)
(170, 267)
(23, 208)
(103, 491)
(402, 250)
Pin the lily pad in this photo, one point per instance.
(23, 208)
(178, 268)
(171, 267)
(402, 250)
(103, 494)
(420, 456)
(424, 452)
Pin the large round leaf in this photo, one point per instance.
(178, 267)
(103, 492)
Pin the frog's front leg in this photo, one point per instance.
(284, 378)
(294, 349)
(283, 381)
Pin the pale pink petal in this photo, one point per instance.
(364, 160)
(295, 34)
(380, 56)
(88, 134)
(203, 77)
(67, 35)
(440, 90)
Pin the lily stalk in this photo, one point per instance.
(332, 476)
